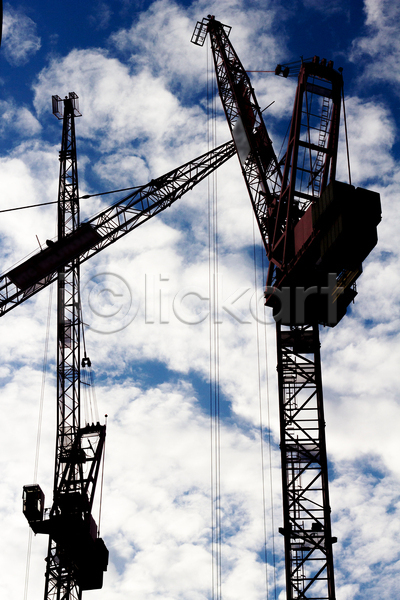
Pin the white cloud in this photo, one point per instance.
(381, 44)
(372, 132)
(101, 16)
(159, 40)
(29, 176)
(367, 504)
(121, 170)
(121, 108)
(18, 119)
(20, 40)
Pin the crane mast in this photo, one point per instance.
(76, 556)
(68, 345)
(316, 232)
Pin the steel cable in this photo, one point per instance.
(261, 427)
(264, 274)
(39, 432)
(214, 349)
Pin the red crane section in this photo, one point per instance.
(323, 229)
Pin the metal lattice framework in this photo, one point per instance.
(76, 556)
(307, 529)
(28, 278)
(60, 579)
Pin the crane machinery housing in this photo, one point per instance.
(316, 231)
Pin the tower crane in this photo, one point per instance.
(317, 232)
(77, 557)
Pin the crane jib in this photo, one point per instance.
(56, 256)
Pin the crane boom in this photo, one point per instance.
(260, 167)
(105, 228)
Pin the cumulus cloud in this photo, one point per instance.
(381, 46)
(20, 40)
(372, 133)
(169, 54)
(18, 119)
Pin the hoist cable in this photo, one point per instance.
(90, 405)
(283, 142)
(28, 563)
(42, 390)
(86, 197)
(345, 132)
(102, 483)
(39, 432)
(215, 428)
(271, 479)
(261, 428)
(29, 206)
(210, 347)
(84, 375)
(128, 189)
(217, 346)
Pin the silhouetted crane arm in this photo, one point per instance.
(260, 167)
(28, 278)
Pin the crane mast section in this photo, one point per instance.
(77, 556)
(68, 369)
(306, 509)
(102, 230)
(254, 148)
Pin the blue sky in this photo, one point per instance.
(142, 90)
